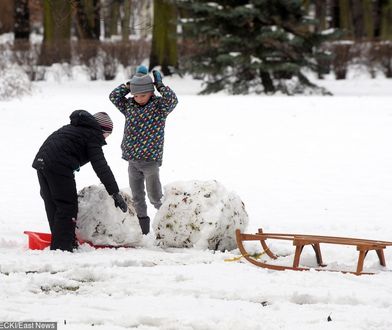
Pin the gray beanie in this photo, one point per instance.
(141, 83)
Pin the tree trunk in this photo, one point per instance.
(368, 19)
(386, 20)
(377, 18)
(21, 19)
(96, 16)
(335, 13)
(87, 19)
(357, 19)
(267, 82)
(125, 21)
(321, 15)
(57, 32)
(106, 18)
(7, 18)
(114, 16)
(345, 18)
(164, 39)
(146, 23)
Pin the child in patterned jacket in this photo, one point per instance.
(142, 144)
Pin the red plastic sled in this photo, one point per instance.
(40, 241)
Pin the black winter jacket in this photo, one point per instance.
(74, 145)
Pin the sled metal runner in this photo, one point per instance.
(300, 241)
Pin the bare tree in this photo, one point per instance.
(87, 18)
(368, 18)
(346, 18)
(125, 19)
(386, 19)
(21, 19)
(7, 16)
(57, 32)
(357, 18)
(142, 18)
(117, 13)
(357, 15)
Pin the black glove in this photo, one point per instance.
(119, 202)
(157, 79)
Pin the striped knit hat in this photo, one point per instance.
(104, 121)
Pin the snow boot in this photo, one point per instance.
(65, 246)
(144, 223)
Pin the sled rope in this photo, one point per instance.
(255, 256)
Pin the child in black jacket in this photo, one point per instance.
(63, 153)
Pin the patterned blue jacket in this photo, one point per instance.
(144, 125)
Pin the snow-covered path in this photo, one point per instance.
(184, 289)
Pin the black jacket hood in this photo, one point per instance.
(84, 118)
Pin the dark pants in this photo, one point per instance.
(61, 205)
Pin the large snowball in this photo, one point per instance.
(101, 223)
(199, 214)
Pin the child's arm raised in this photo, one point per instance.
(117, 97)
(169, 99)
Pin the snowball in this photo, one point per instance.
(101, 223)
(200, 214)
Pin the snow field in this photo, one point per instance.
(315, 165)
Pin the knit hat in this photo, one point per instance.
(104, 121)
(141, 83)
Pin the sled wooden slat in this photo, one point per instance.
(301, 240)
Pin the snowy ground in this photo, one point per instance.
(318, 165)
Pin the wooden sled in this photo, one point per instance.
(300, 240)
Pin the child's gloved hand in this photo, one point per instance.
(157, 79)
(119, 202)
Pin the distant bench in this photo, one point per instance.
(300, 240)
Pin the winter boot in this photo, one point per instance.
(144, 224)
(65, 246)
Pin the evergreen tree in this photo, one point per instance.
(252, 45)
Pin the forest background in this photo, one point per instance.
(237, 46)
